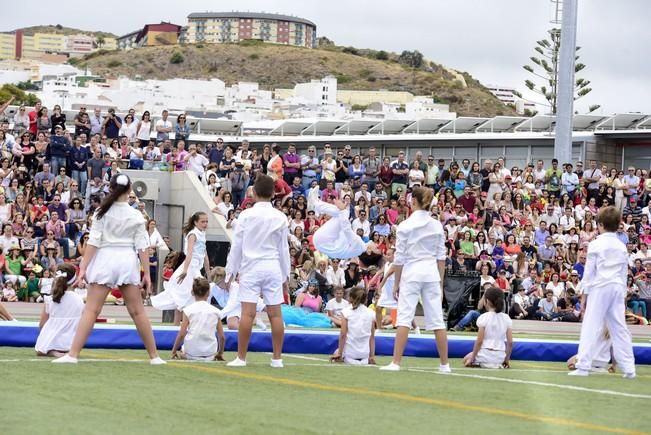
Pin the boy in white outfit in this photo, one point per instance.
(604, 283)
(260, 255)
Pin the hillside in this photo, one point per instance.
(276, 66)
(64, 31)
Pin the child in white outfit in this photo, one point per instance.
(60, 316)
(494, 342)
(357, 336)
(259, 255)
(604, 290)
(200, 322)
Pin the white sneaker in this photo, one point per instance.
(445, 368)
(157, 361)
(579, 372)
(277, 363)
(629, 375)
(65, 359)
(392, 367)
(237, 362)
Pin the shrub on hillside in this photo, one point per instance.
(114, 64)
(177, 58)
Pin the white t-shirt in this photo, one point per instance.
(337, 307)
(360, 326)
(145, 130)
(495, 327)
(197, 164)
(201, 339)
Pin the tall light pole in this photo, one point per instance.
(565, 87)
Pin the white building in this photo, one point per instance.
(318, 92)
(425, 107)
(507, 95)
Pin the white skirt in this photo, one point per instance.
(386, 298)
(57, 334)
(114, 266)
(490, 359)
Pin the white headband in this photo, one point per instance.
(122, 180)
(62, 274)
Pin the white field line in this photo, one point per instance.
(540, 384)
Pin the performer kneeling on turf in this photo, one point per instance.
(61, 313)
(200, 322)
(118, 236)
(495, 339)
(260, 255)
(604, 287)
(357, 336)
(419, 270)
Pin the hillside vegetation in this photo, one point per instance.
(64, 31)
(277, 66)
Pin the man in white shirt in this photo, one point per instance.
(163, 128)
(566, 221)
(592, 177)
(335, 275)
(539, 172)
(569, 181)
(196, 162)
(260, 256)
(363, 191)
(363, 223)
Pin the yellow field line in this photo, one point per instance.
(408, 398)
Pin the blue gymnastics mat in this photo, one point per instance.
(24, 334)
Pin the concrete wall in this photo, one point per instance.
(180, 195)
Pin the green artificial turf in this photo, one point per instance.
(308, 396)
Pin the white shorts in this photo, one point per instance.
(262, 281)
(430, 295)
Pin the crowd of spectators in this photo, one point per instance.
(52, 177)
(523, 229)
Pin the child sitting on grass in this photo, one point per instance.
(357, 336)
(336, 305)
(494, 342)
(60, 315)
(197, 330)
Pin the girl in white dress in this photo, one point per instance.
(200, 322)
(178, 290)
(232, 307)
(494, 342)
(387, 298)
(336, 237)
(357, 336)
(60, 315)
(117, 239)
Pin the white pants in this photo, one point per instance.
(430, 295)
(263, 280)
(605, 305)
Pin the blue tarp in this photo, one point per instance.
(24, 334)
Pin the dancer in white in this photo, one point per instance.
(61, 313)
(357, 336)
(260, 256)
(201, 321)
(336, 237)
(178, 290)
(117, 238)
(419, 270)
(229, 299)
(604, 287)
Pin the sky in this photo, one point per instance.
(491, 39)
